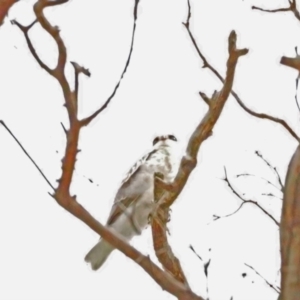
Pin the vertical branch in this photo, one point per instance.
(290, 232)
(161, 245)
(189, 161)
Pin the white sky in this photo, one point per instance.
(43, 246)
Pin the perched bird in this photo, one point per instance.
(134, 201)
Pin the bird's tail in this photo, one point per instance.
(98, 254)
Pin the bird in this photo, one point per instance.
(134, 200)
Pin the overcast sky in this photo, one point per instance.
(43, 246)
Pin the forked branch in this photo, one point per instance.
(189, 161)
(244, 201)
(62, 192)
(206, 64)
(292, 8)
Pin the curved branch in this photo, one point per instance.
(62, 192)
(206, 64)
(292, 8)
(244, 201)
(189, 161)
(87, 120)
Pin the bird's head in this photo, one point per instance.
(164, 140)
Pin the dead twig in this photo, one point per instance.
(62, 192)
(27, 154)
(206, 64)
(189, 161)
(244, 201)
(274, 169)
(292, 8)
(87, 120)
(272, 286)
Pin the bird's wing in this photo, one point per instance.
(120, 207)
(123, 199)
(136, 166)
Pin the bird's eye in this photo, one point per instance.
(155, 140)
(172, 137)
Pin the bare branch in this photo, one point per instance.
(269, 182)
(79, 69)
(292, 8)
(244, 201)
(271, 10)
(64, 128)
(275, 288)
(206, 64)
(292, 62)
(289, 231)
(205, 268)
(25, 30)
(27, 154)
(170, 191)
(205, 98)
(204, 129)
(87, 120)
(159, 228)
(62, 192)
(192, 248)
(271, 195)
(272, 168)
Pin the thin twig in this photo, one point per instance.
(269, 182)
(272, 168)
(292, 8)
(297, 82)
(271, 10)
(64, 128)
(87, 120)
(244, 201)
(79, 69)
(62, 192)
(27, 154)
(189, 161)
(25, 30)
(206, 64)
(192, 248)
(275, 288)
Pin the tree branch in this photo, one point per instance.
(290, 232)
(27, 154)
(273, 169)
(189, 161)
(25, 30)
(206, 64)
(292, 8)
(161, 245)
(62, 192)
(205, 127)
(87, 120)
(272, 286)
(244, 201)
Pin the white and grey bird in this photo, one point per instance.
(135, 198)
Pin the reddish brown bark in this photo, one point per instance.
(5, 5)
